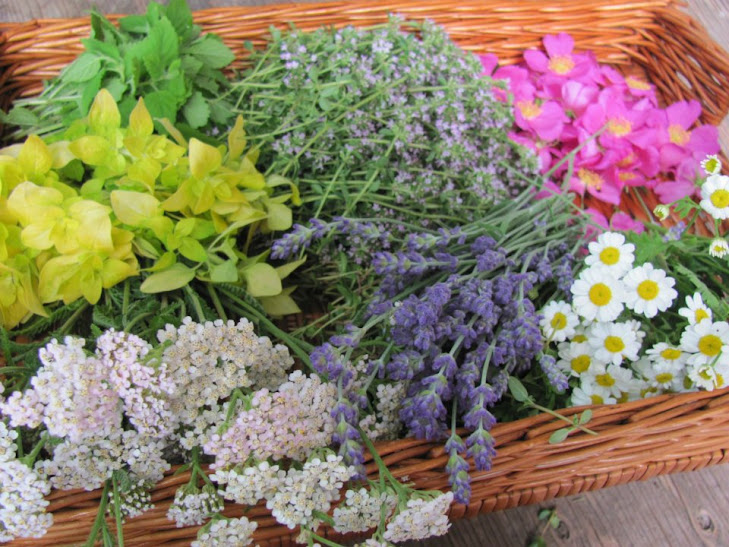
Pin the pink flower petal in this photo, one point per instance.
(623, 222)
(704, 141)
(489, 62)
(668, 191)
(561, 44)
(683, 113)
(536, 60)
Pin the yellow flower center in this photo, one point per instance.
(719, 380)
(604, 380)
(720, 249)
(596, 399)
(579, 338)
(580, 363)
(710, 345)
(687, 383)
(635, 83)
(600, 294)
(625, 176)
(719, 198)
(678, 134)
(664, 377)
(644, 392)
(609, 256)
(589, 178)
(619, 127)
(559, 321)
(671, 354)
(623, 397)
(648, 289)
(712, 165)
(700, 315)
(529, 109)
(627, 160)
(561, 64)
(614, 344)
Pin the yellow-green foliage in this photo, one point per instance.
(75, 214)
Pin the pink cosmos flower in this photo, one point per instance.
(679, 142)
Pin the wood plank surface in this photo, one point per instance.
(683, 510)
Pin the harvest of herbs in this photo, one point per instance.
(160, 220)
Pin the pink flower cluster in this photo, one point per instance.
(562, 99)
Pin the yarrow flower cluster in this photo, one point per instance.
(601, 337)
(225, 531)
(562, 98)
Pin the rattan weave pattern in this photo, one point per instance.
(636, 440)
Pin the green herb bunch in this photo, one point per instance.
(80, 215)
(391, 121)
(160, 56)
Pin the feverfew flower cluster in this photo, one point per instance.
(604, 340)
(563, 98)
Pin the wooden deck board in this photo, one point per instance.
(683, 510)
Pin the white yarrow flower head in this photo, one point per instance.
(22, 503)
(648, 290)
(193, 506)
(558, 321)
(421, 519)
(598, 294)
(705, 342)
(611, 251)
(711, 165)
(225, 531)
(613, 342)
(719, 248)
(695, 310)
(715, 196)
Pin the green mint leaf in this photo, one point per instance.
(517, 389)
(83, 69)
(103, 49)
(137, 24)
(102, 29)
(19, 116)
(190, 66)
(221, 112)
(545, 514)
(91, 88)
(161, 104)
(211, 50)
(159, 48)
(196, 110)
(179, 14)
(559, 435)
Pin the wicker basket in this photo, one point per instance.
(637, 440)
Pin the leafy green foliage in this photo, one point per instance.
(160, 56)
(180, 208)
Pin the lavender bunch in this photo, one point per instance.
(452, 317)
(393, 121)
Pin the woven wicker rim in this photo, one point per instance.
(637, 440)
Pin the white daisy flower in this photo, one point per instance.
(705, 341)
(613, 342)
(611, 251)
(708, 377)
(559, 321)
(636, 327)
(638, 389)
(715, 196)
(598, 294)
(695, 310)
(711, 165)
(576, 358)
(648, 290)
(590, 393)
(663, 375)
(614, 378)
(665, 353)
(718, 247)
(661, 212)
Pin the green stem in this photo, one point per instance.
(117, 512)
(324, 540)
(216, 301)
(100, 520)
(71, 321)
(195, 304)
(559, 416)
